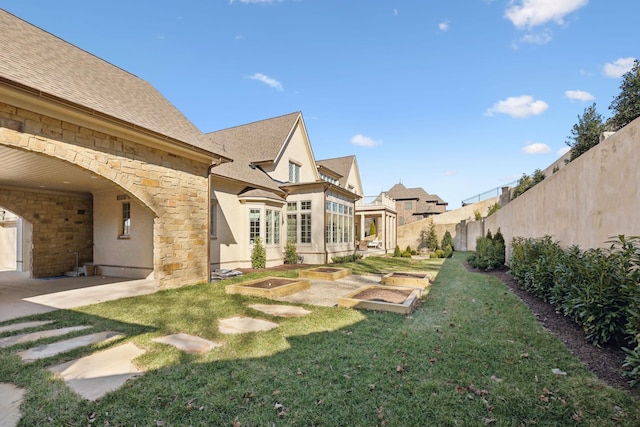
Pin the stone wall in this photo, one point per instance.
(173, 187)
(62, 226)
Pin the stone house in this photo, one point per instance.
(101, 168)
(413, 204)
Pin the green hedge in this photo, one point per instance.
(598, 288)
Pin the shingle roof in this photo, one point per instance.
(400, 192)
(340, 165)
(260, 141)
(36, 59)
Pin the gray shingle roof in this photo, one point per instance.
(400, 192)
(340, 165)
(38, 60)
(259, 141)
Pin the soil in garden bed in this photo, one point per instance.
(605, 363)
(394, 296)
(326, 270)
(270, 283)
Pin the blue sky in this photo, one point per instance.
(454, 96)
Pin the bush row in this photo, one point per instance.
(598, 288)
(490, 252)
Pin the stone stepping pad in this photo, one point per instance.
(188, 343)
(34, 336)
(48, 350)
(95, 375)
(11, 398)
(241, 325)
(24, 325)
(281, 310)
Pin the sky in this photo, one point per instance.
(458, 97)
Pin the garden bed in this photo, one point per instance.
(325, 273)
(269, 287)
(382, 298)
(413, 280)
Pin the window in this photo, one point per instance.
(299, 222)
(338, 220)
(125, 222)
(254, 225)
(294, 172)
(408, 205)
(213, 229)
(272, 227)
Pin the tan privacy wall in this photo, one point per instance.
(591, 199)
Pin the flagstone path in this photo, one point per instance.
(188, 343)
(34, 336)
(10, 400)
(97, 374)
(241, 325)
(48, 350)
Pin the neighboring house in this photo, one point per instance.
(275, 189)
(102, 169)
(413, 204)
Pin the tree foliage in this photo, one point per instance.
(586, 133)
(258, 254)
(493, 209)
(526, 182)
(626, 106)
(372, 229)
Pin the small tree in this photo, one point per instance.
(258, 255)
(586, 133)
(477, 215)
(372, 229)
(432, 238)
(493, 209)
(290, 253)
(396, 252)
(626, 106)
(447, 240)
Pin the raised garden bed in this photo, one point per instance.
(269, 287)
(325, 273)
(382, 298)
(412, 280)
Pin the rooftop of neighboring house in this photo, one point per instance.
(424, 200)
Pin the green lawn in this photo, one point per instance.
(472, 354)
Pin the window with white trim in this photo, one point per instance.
(299, 222)
(254, 225)
(294, 172)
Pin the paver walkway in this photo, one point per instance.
(10, 401)
(24, 325)
(188, 343)
(281, 310)
(48, 350)
(34, 336)
(241, 325)
(97, 374)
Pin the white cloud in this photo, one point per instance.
(364, 141)
(450, 173)
(444, 26)
(531, 13)
(536, 148)
(251, 1)
(618, 67)
(519, 107)
(267, 80)
(395, 12)
(579, 95)
(542, 37)
(564, 150)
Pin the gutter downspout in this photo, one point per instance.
(209, 189)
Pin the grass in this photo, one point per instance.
(472, 354)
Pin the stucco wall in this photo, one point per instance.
(8, 244)
(593, 198)
(409, 234)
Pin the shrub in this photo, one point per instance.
(447, 240)
(258, 255)
(433, 255)
(406, 254)
(396, 252)
(489, 254)
(493, 208)
(439, 253)
(346, 258)
(448, 251)
(477, 215)
(290, 253)
(372, 229)
(408, 249)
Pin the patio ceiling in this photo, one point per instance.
(23, 169)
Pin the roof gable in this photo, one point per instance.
(347, 168)
(37, 60)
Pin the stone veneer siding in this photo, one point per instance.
(62, 225)
(174, 188)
